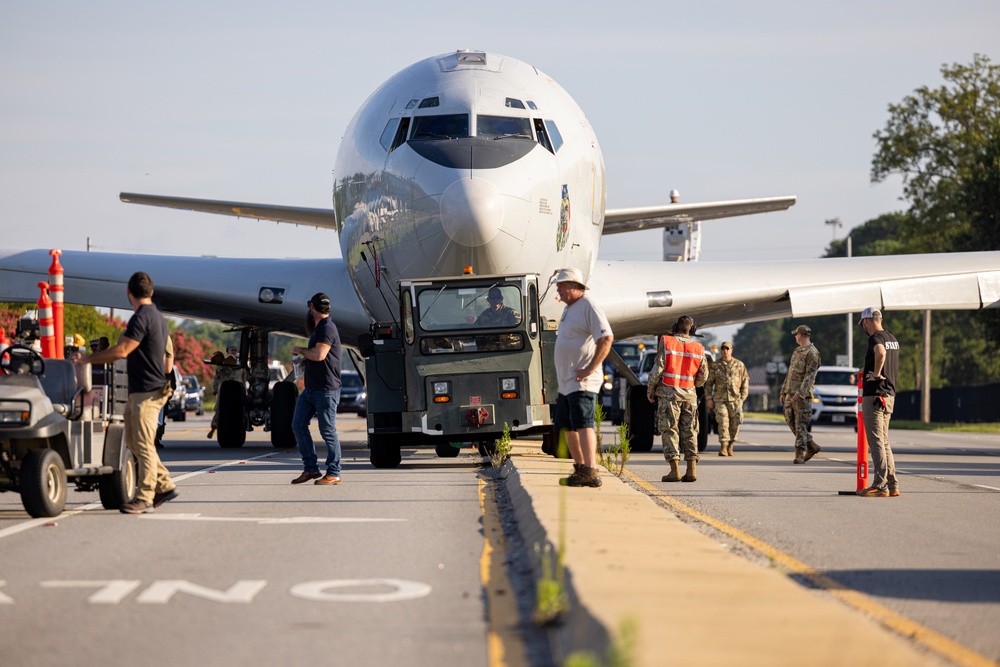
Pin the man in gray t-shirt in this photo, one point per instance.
(583, 340)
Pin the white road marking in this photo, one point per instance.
(111, 592)
(264, 520)
(317, 591)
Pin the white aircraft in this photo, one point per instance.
(473, 159)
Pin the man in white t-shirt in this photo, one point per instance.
(583, 340)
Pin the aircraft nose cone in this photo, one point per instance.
(472, 212)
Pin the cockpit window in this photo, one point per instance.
(513, 103)
(554, 136)
(429, 102)
(532, 105)
(497, 127)
(449, 126)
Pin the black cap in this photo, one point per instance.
(320, 302)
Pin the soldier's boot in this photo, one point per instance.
(800, 454)
(690, 475)
(729, 449)
(812, 449)
(675, 473)
(722, 449)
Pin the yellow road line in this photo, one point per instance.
(909, 629)
(504, 646)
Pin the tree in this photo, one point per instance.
(942, 142)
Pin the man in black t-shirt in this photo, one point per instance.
(878, 396)
(320, 395)
(143, 346)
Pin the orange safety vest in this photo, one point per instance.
(681, 362)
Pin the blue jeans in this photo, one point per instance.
(322, 404)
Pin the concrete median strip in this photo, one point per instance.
(695, 603)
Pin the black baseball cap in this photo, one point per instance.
(321, 302)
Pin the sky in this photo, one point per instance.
(248, 102)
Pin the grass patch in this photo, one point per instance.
(501, 450)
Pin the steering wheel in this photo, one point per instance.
(21, 360)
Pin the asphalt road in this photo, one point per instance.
(931, 555)
(244, 568)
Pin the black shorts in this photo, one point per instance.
(575, 411)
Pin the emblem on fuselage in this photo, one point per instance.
(562, 233)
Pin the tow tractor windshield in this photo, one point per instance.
(460, 307)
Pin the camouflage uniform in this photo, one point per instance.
(798, 392)
(728, 386)
(505, 317)
(676, 408)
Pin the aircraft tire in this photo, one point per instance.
(43, 483)
(283, 398)
(445, 450)
(118, 488)
(384, 451)
(232, 433)
(641, 414)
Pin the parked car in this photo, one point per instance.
(175, 408)
(195, 399)
(835, 395)
(353, 397)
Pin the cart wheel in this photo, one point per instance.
(118, 488)
(43, 483)
(446, 451)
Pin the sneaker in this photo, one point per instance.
(873, 492)
(812, 449)
(894, 493)
(305, 477)
(136, 507)
(166, 496)
(588, 477)
(328, 479)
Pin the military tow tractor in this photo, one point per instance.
(243, 406)
(445, 375)
(62, 423)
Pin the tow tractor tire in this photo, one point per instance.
(641, 414)
(118, 488)
(384, 451)
(232, 432)
(43, 483)
(283, 398)
(445, 450)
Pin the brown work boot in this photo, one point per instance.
(894, 493)
(812, 449)
(873, 492)
(729, 448)
(305, 477)
(675, 473)
(799, 456)
(578, 469)
(722, 449)
(587, 477)
(690, 475)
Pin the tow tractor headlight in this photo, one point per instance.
(442, 392)
(508, 387)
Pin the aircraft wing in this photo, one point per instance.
(621, 220)
(266, 293)
(644, 298)
(315, 217)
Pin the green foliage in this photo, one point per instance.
(503, 447)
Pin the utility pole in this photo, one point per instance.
(835, 222)
(925, 385)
